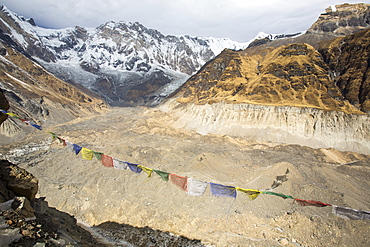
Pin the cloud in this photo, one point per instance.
(239, 20)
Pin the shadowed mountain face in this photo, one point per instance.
(348, 59)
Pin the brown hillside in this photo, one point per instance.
(291, 75)
(35, 94)
(32, 80)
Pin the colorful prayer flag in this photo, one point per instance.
(2, 111)
(64, 141)
(106, 160)
(119, 164)
(350, 214)
(87, 154)
(311, 203)
(134, 167)
(220, 190)
(277, 194)
(162, 174)
(97, 155)
(26, 121)
(76, 148)
(69, 145)
(252, 194)
(13, 115)
(60, 140)
(196, 187)
(179, 181)
(148, 171)
(53, 136)
(37, 126)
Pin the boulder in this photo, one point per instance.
(17, 180)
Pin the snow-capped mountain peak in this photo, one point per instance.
(122, 61)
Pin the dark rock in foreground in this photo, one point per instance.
(142, 236)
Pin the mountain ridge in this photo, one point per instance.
(124, 62)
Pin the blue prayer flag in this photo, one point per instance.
(220, 190)
(37, 126)
(76, 148)
(134, 167)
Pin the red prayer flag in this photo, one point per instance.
(26, 121)
(179, 181)
(311, 203)
(106, 160)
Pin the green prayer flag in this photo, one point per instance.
(98, 155)
(53, 135)
(277, 194)
(163, 175)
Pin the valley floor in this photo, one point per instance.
(96, 194)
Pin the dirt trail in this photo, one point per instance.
(96, 194)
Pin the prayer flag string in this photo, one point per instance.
(192, 186)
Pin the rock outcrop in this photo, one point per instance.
(27, 221)
(342, 19)
(337, 21)
(16, 181)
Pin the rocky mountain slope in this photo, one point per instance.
(291, 92)
(349, 66)
(37, 95)
(126, 63)
(342, 20)
(337, 20)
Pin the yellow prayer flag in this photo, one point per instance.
(146, 169)
(87, 154)
(53, 135)
(12, 115)
(252, 194)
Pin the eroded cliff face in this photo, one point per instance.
(281, 124)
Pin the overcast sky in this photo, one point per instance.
(239, 20)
